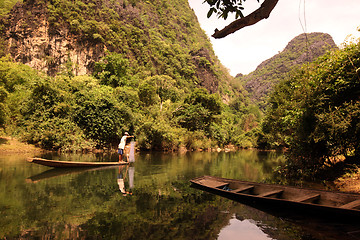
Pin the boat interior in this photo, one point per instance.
(294, 194)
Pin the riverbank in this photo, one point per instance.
(9, 145)
(350, 182)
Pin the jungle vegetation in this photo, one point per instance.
(159, 97)
(159, 80)
(316, 113)
(82, 112)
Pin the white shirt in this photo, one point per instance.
(122, 142)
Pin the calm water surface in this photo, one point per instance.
(150, 199)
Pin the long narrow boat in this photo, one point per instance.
(71, 164)
(316, 201)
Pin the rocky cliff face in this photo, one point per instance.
(31, 41)
(157, 38)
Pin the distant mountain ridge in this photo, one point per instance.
(302, 49)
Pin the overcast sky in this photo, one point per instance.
(244, 50)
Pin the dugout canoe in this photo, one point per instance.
(71, 164)
(315, 201)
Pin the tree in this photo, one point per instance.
(100, 115)
(316, 113)
(112, 70)
(224, 7)
(158, 87)
(199, 110)
(330, 124)
(147, 93)
(165, 88)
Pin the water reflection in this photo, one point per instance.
(57, 172)
(284, 224)
(122, 176)
(88, 204)
(242, 230)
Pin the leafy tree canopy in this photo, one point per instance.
(316, 112)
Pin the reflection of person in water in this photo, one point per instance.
(121, 180)
(131, 178)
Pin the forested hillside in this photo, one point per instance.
(154, 38)
(75, 75)
(302, 49)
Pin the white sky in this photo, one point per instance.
(244, 50)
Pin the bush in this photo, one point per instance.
(197, 140)
(56, 134)
(158, 135)
(101, 116)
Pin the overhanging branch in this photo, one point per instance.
(261, 13)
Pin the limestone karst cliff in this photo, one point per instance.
(157, 37)
(32, 41)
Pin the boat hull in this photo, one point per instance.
(280, 197)
(70, 164)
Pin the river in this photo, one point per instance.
(149, 199)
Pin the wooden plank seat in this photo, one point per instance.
(270, 193)
(307, 198)
(351, 205)
(242, 189)
(215, 184)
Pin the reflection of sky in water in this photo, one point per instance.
(243, 230)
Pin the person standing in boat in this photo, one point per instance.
(122, 145)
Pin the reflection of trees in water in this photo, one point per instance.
(194, 214)
(88, 204)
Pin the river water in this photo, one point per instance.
(149, 199)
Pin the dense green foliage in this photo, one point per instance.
(83, 112)
(6, 5)
(161, 81)
(151, 82)
(316, 112)
(154, 38)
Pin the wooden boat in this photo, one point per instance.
(71, 164)
(316, 201)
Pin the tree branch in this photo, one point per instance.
(261, 13)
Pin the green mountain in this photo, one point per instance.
(155, 37)
(302, 49)
(79, 73)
